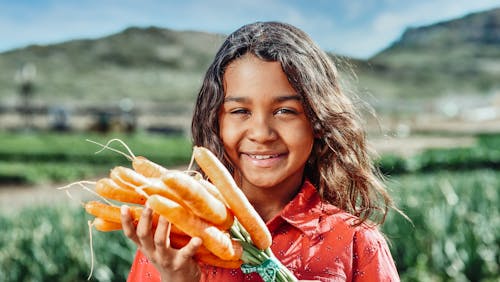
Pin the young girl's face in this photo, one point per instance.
(263, 126)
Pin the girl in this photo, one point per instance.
(272, 109)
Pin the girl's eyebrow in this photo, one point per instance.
(235, 99)
(277, 99)
(289, 97)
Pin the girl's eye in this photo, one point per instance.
(239, 111)
(285, 111)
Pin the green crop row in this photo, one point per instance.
(42, 157)
(52, 243)
(454, 234)
(50, 147)
(48, 157)
(484, 154)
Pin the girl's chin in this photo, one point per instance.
(263, 180)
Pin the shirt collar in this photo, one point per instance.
(305, 210)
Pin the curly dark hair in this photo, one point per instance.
(340, 165)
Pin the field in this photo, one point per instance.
(450, 194)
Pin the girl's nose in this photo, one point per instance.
(261, 129)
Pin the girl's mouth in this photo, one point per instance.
(263, 157)
(263, 160)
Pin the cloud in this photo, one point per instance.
(356, 28)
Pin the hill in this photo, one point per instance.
(154, 63)
(161, 69)
(455, 58)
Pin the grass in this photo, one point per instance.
(456, 225)
(51, 243)
(453, 235)
(46, 157)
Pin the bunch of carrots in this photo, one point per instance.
(216, 211)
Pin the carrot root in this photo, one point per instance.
(214, 239)
(197, 198)
(236, 200)
(107, 188)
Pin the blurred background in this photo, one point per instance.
(98, 70)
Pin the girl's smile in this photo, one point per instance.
(263, 126)
(263, 160)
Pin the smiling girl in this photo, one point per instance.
(272, 109)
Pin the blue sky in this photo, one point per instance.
(357, 28)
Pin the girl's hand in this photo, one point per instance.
(172, 264)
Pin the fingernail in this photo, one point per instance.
(197, 241)
(124, 210)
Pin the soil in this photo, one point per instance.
(15, 197)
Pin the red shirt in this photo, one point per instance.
(315, 240)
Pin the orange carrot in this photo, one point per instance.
(130, 179)
(177, 241)
(148, 168)
(108, 212)
(140, 164)
(127, 177)
(105, 225)
(212, 190)
(198, 199)
(215, 240)
(107, 188)
(112, 213)
(211, 259)
(203, 255)
(235, 198)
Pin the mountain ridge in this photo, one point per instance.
(161, 65)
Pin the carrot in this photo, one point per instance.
(112, 213)
(212, 190)
(127, 177)
(130, 179)
(105, 225)
(140, 164)
(107, 188)
(148, 168)
(211, 259)
(198, 199)
(177, 241)
(235, 198)
(109, 212)
(215, 240)
(203, 255)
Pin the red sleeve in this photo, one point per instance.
(142, 270)
(372, 257)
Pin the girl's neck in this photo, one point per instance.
(270, 201)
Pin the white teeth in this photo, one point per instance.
(262, 157)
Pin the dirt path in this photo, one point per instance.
(408, 146)
(15, 197)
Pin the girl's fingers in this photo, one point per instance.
(161, 239)
(144, 233)
(128, 224)
(190, 249)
